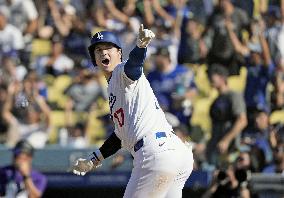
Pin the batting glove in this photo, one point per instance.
(82, 166)
(144, 37)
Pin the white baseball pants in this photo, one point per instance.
(161, 168)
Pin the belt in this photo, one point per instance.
(140, 143)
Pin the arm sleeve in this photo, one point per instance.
(134, 66)
(238, 104)
(110, 146)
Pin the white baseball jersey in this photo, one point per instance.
(134, 108)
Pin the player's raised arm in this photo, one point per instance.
(94, 160)
(134, 65)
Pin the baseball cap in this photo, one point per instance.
(23, 146)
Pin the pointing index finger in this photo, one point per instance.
(141, 28)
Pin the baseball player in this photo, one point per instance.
(162, 162)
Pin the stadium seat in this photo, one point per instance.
(40, 47)
(57, 121)
(56, 90)
(201, 116)
(277, 117)
(62, 82)
(238, 82)
(202, 81)
(95, 131)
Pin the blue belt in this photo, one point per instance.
(140, 143)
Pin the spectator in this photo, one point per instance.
(226, 184)
(201, 9)
(228, 115)
(84, 91)
(73, 136)
(11, 39)
(233, 182)
(169, 18)
(10, 71)
(257, 137)
(27, 114)
(191, 45)
(277, 95)
(57, 62)
(260, 71)
(3, 124)
(220, 46)
(274, 33)
(20, 179)
(277, 166)
(259, 65)
(60, 17)
(174, 84)
(23, 14)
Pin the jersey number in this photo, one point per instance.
(119, 115)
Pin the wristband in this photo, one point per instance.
(96, 156)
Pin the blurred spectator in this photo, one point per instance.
(11, 39)
(20, 179)
(220, 46)
(191, 49)
(3, 124)
(260, 70)
(27, 114)
(274, 33)
(174, 86)
(228, 115)
(201, 9)
(84, 91)
(277, 95)
(61, 16)
(169, 18)
(257, 137)
(57, 62)
(10, 71)
(23, 15)
(73, 136)
(277, 166)
(259, 66)
(229, 183)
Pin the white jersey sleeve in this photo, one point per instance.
(134, 108)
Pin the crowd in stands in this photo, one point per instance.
(216, 67)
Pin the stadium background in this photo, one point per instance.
(59, 103)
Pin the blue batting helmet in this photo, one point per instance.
(102, 37)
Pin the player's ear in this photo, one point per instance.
(120, 53)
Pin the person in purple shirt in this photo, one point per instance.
(19, 179)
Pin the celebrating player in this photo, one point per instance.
(162, 162)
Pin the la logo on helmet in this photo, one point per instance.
(100, 36)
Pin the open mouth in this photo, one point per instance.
(105, 61)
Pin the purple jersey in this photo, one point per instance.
(12, 184)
